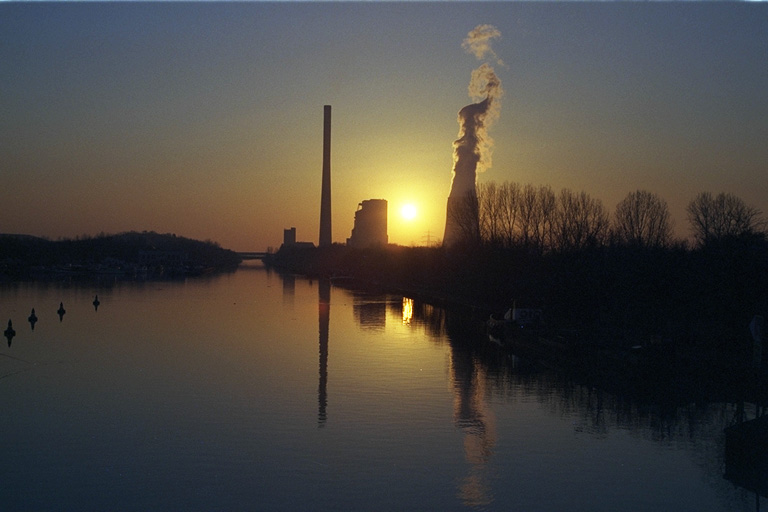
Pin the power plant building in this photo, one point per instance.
(370, 227)
(289, 236)
(289, 240)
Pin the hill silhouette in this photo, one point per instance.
(25, 256)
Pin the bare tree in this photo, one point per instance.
(490, 206)
(580, 221)
(526, 226)
(509, 196)
(535, 214)
(534, 217)
(499, 211)
(642, 219)
(713, 218)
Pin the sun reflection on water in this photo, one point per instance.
(407, 310)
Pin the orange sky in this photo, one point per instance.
(205, 119)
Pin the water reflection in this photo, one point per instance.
(289, 288)
(370, 310)
(746, 452)
(324, 316)
(407, 310)
(479, 371)
(477, 422)
(468, 378)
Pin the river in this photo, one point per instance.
(255, 391)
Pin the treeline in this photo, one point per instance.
(21, 254)
(512, 215)
(622, 278)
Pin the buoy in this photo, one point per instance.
(96, 303)
(61, 311)
(32, 319)
(9, 332)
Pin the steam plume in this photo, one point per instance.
(472, 150)
(478, 42)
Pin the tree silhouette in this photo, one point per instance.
(714, 218)
(642, 219)
(580, 222)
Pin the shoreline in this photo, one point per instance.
(628, 359)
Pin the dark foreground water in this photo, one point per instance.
(250, 391)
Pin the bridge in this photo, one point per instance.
(252, 255)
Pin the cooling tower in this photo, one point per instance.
(325, 198)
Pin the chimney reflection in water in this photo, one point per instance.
(324, 315)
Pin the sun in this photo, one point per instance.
(408, 211)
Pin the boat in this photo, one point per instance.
(517, 317)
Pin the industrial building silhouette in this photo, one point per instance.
(326, 239)
(370, 228)
(370, 224)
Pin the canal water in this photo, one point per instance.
(255, 391)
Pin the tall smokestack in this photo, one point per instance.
(472, 150)
(325, 198)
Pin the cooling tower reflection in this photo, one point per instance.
(477, 422)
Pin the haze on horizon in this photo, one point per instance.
(205, 119)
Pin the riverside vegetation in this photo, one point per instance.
(616, 282)
(131, 253)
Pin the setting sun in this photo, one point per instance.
(408, 211)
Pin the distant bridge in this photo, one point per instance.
(252, 255)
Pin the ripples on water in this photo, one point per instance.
(255, 391)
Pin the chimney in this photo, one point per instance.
(325, 198)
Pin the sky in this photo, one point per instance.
(206, 119)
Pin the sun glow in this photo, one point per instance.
(408, 211)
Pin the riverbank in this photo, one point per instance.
(625, 320)
(131, 255)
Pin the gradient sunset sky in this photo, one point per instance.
(205, 119)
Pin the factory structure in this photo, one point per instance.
(289, 240)
(326, 239)
(370, 228)
(370, 224)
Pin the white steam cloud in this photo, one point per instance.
(472, 150)
(478, 42)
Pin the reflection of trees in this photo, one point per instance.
(480, 370)
(428, 317)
